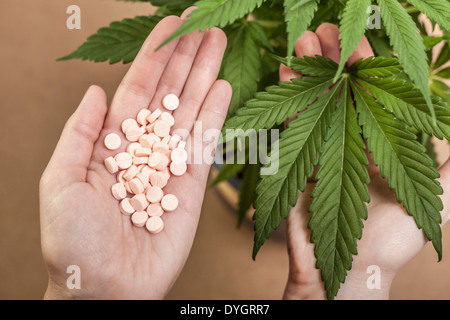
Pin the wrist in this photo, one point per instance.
(362, 286)
(357, 286)
(306, 291)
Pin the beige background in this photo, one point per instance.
(39, 94)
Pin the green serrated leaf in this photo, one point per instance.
(426, 141)
(443, 57)
(277, 104)
(213, 13)
(441, 89)
(436, 10)
(407, 42)
(430, 42)
(375, 67)
(242, 67)
(380, 45)
(298, 17)
(121, 41)
(444, 73)
(298, 151)
(259, 35)
(340, 196)
(403, 161)
(310, 66)
(352, 28)
(408, 104)
(247, 191)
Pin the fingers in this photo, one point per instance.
(139, 85)
(203, 74)
(363, 51)
(179, 66)
(307, 45)
(287, 73)
(445, 183)
(207, 129)
(73, 153)
(328, 35)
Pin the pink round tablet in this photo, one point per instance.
(154, 159)
(143, 152)
(155, 115)
(169, 202)
(133, 133)
(166, 173)
(111, 165)
(155, 210)
(167, 118)
(133, 147)
(163, 163)
(120, 177)
(118, 191)
(144, 179)
(174, 140)
(125, 207)
(124, 160)
(142, 116)
(162, 148)
(140, 160)
(139, 218)
(154, 224)
(178, 155)
(170, 102)
(128, 123)
(112, 141)
(139, 202)
(154, 194)
(130, 173)
(150, 127)
(161, 129)
(178, 168)
(136, 186)
(158, 179)
(147, 140)
(148, 171)
(127, 187)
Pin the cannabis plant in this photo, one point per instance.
(391, 104)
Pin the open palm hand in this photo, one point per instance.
(80, 220)
(390, 236)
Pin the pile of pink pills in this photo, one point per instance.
(144, 169)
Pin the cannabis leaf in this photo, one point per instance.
(121, 41)
(242, 65)
(299, 14)
(282, 102)
(311, 66)
(213, 13)
(298, 152)
(403, 161)
(375, 67)
(408, 104)
(247, 189)
(352, 28)
(277, 104)
(407, 42)
(437, 10)
(340, 196)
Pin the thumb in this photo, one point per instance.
(73, 152)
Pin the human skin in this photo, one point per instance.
(80, 220)
(390, 236)
(81, 223)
